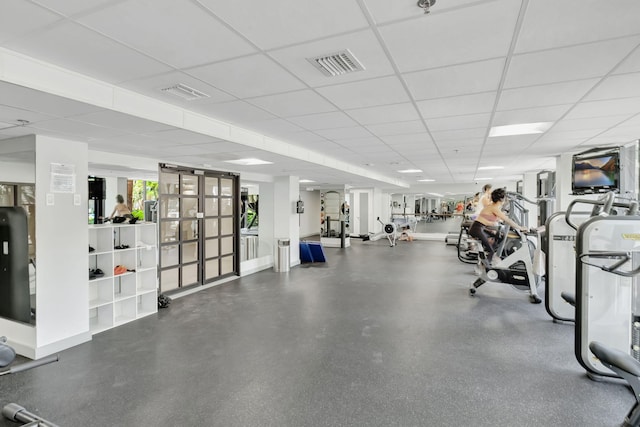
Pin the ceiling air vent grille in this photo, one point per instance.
(337, 64)
(185, 92)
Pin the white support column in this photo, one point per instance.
(286, 225)
(563, 181)
(530, 191)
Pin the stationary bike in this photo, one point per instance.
(515, 268)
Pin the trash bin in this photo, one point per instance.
(281, 258)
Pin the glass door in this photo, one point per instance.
(198, 225)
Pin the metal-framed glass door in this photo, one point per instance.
(199, 226)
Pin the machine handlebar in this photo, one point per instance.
(606, 203)
(614, 268)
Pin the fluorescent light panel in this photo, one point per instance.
(249, 162)
(483, 179)
(488, 168)
(410, 171)
(426, 180)
(306, 181)
(520, 129)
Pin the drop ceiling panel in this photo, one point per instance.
(368, 93)
(363, 45)
(293, 104)
(385, 114)
(291, 22)
(545, 95)
(596, 123)
(332, 120)
(397, 128)
(152, 36)
(344, 133)
(470, 121)
(74, 7)
(359, 143)
(488, 28)
(73, 46)
(631, 64)
(250, 76)
(11, 115)
(76, 129)
(458, 105)
(619, 86)
(386, 11)
(414, 138)
(18, 17)
(611, 107)
(41, 102)
(463, 134)
(570, 63)
(575, 22)
(530, 115)
(475, 77)
(152, 87)
(182, 136)
(274, 127)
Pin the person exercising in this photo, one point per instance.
(489, 217)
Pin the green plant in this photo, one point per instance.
(138, 214)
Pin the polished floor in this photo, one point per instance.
(377, 336)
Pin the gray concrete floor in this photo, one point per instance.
(377, 336)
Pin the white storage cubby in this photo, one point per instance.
(115, 299)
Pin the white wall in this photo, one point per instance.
(310, 219)
(62, 317)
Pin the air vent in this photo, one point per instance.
(185, 92)
(337, 64)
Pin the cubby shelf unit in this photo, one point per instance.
(115, 299)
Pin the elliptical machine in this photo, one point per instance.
(516, 253)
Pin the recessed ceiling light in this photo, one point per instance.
(435, 194)
(410, 171)
(483, 179)
(520, 129)
(488, 168)
(249, 162)
(306, 181)
(426, 180)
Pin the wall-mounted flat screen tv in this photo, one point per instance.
(596, 172)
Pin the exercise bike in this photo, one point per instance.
(13, 411)
(516, 268)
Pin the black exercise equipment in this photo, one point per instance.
(627, 368)
(15, 300)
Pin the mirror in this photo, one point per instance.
(17, 195)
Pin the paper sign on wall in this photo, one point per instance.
(63, 178)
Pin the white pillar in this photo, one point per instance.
(530, 191)
(286, 221)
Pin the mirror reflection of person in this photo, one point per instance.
(120, 209)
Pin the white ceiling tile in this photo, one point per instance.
(596, 123)
(384, 114)
(335, 119)
(344, 133)
(631, 64)
(18, 17)
(359, 142)
(569, 63)
(422, 138)
(573, 134)
(385, 11)
(11, 115)
(238, 112)
(619, 86)
(363, 45)
(530, 115)
(152, 36)
(611, 107)
(74, 7)
(292, 21)
(368, 93)
(449, 135)
(182, 136)
(457, 105)
(293, 104)
(470, 121)
(301, 138)
(152, 87)
(470, 34)
(250, 76)
(545, 95)
(575, 22)
(75, 47)
(475, 77)
(397, 128)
